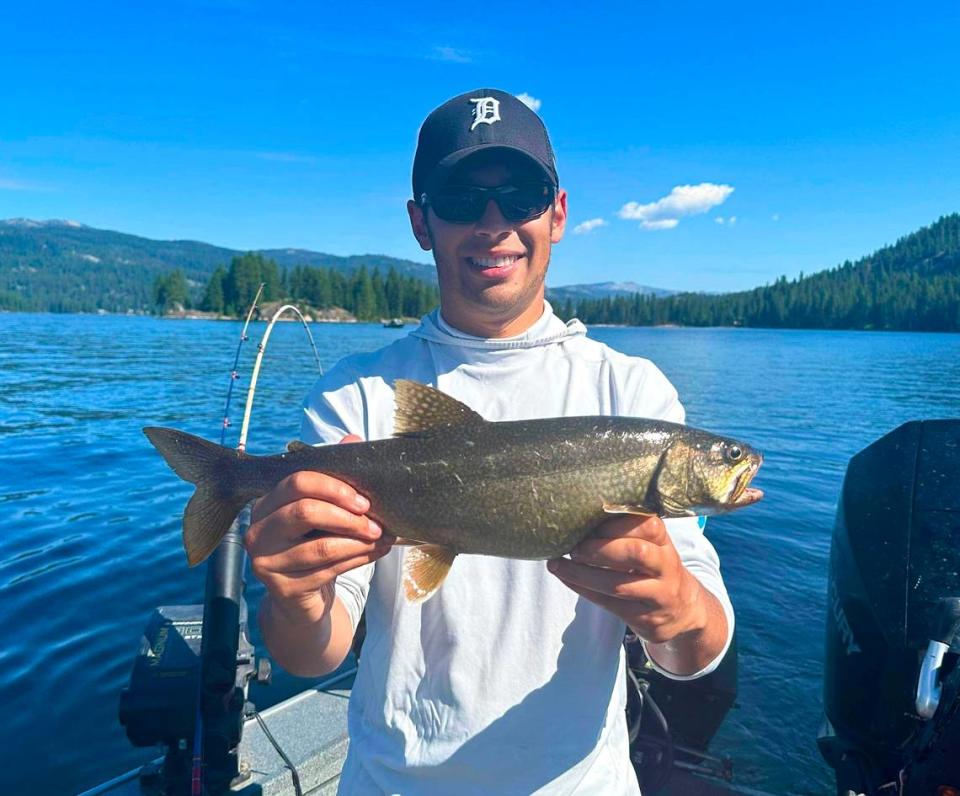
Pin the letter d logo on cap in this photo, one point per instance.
(486, 110)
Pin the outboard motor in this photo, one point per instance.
(891, 682)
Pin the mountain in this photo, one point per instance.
(599, 290)
(912, 285)
(65, 266)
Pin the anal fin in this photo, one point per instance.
(424, 569)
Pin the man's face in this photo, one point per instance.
(491, 272)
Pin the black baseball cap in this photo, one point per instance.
(484, 119)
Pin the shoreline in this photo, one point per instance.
(198, 316)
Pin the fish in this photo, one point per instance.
(450, 482)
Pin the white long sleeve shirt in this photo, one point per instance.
(505, 681)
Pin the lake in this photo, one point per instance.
(93, 515)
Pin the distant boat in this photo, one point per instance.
(392, 323)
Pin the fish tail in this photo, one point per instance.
(215, 470)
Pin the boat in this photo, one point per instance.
(392, 323)
(891, 680)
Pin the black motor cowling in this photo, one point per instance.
(894, 560)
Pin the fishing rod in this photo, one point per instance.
(261, 350)
(225, 671)
(234, 373)
(212, 580)
(191, 676)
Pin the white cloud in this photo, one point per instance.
(588, 226)
(683, 200)
(451, 54)
(731, 220)
(666, 223)
(531, 102)
(775, 217)
(720, 220)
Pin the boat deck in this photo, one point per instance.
(311, 727)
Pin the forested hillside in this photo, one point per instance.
(62, 266)
(66, 267)
(912, 285)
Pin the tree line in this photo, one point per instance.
(366, 294)
(913, 285)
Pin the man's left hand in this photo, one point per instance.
(630, 567)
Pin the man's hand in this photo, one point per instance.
(630, 567)
(306, 531)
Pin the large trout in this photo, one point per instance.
(451, 482)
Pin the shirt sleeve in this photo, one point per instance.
(658, 398)
(328, 416)
(701, 559)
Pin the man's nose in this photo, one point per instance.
(492, 221)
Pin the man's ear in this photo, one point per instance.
(559, 216)
(418, 223)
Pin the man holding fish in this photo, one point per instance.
(510, 677)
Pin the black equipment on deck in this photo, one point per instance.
(673, 721)
(192, 652)
(890, 675)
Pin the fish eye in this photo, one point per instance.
(734, 453)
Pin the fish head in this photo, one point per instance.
(704, 474)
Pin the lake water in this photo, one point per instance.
(92, 515)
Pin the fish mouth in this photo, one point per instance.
(742, 493)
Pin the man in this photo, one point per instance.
(510, 679)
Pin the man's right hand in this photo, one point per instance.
(307, 530)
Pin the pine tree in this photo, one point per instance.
(170, 291)
(213, 296)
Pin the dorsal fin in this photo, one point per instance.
(421, 408)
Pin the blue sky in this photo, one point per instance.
(255, 125)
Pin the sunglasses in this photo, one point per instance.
(467, 204)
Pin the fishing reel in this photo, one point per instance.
(190, 680)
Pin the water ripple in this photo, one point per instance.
(44, 570)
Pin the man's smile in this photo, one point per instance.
(495, 266)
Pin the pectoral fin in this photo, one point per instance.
(674, 508)
(424, 568)
(625, 508)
